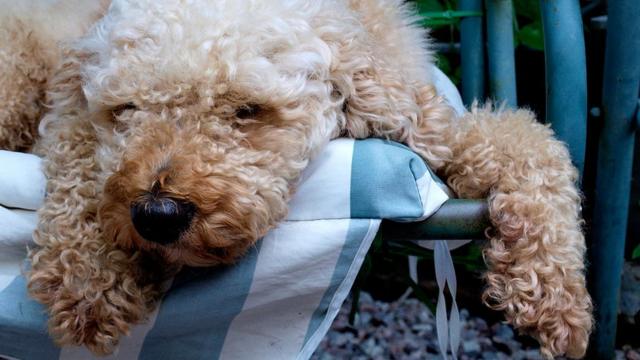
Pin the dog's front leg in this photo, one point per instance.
(89, 286)
(536, 251)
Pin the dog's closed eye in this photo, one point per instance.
(248, 111)
(118, 110)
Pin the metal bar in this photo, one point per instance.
(456, 219)
(566, 74)
(615, 155)
(472, 53)
(502, 68)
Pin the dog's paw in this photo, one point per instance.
(96, 319)
(84, 323)
(89, 303)
(555, 312)
(567, 334)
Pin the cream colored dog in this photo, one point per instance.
(175, 131)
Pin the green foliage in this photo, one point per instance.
(527, 21)
(531, 36)
(440, 15)
(636, 253)
(427, 6)
(434, 19)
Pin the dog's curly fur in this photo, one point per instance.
(223, 103)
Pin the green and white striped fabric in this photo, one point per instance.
(279, 300)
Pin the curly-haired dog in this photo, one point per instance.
(177, 130)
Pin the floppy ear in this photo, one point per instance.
(64, 97)
(383, 77)
(89, 286)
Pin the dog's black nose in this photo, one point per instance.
(162, 219)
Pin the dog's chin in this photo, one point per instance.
(190, 249)
(187, 257)
(181, 255)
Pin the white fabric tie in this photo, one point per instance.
(448, 331)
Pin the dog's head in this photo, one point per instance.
(206, 112)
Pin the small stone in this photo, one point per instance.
(364, 319)
(370, 348)
(481, 325)
(425, 316)
(416, 355)
(464, 314)
(486, 343)
(342, 339)
(503, 331)
(470, 334)
(633, 355)
(326, 356)
(365, 298)
(386, 333)
(489, 355)
(471, 347)
(619, 355)
(532, 355)
(419, 328)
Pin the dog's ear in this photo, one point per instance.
(65, 86)
(381, 99)
(79, 303)
(64, 97)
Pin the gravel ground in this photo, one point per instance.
(406, 330)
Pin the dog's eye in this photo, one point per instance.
(248, 111)
(118, 110)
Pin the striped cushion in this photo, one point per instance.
(279, 300)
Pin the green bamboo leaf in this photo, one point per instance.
(531, 35)
(636, 253)
(429, 5)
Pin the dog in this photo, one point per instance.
(174, 132)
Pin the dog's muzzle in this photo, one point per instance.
(162, 219)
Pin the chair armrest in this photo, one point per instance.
(457, 219)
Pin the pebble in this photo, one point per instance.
(633, 355)
(406, 330)
(481, 325)
(502, 331)
(471, 347)
(630, 291)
